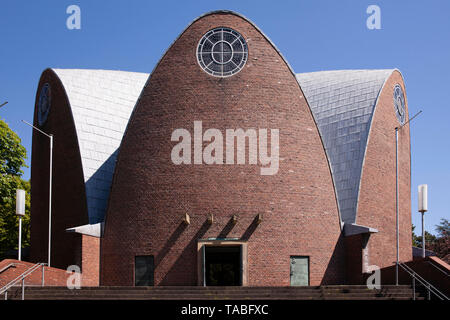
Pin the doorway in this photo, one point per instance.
(223, 266)
(299, 271)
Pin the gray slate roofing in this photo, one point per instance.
(342, 103)
(101, 103)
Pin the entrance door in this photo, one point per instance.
(223, 265)
(299, 271)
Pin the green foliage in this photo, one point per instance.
(443, 229)
(12, 159)
(415, 238)
(12, 153)
(439, 244)
(442, 244)
(429, 238)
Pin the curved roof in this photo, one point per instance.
(342, 103)
(101, 102)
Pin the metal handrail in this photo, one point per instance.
(429, 286)
(435, 266)
(22, 277)
(12, 264)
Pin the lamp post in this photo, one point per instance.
(50, 188)
(423, 207)
(396, 192)
(1, 105)
(20, 212)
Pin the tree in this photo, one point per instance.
(442, 244)
(415, 238)
(443, 229)
(12, 160)
(429, 238)
(439, 244)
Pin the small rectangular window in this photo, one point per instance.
(144, 270)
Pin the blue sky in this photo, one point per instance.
(313, 35)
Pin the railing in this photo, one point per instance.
(430, 288)
(22, 278)
(12, 264)
(438, 268)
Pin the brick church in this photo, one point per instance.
(223, 166)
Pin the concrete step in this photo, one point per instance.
(201, 288)
(46, 289)
(127, 297)
(217, 297)
(209, 292)
(214, 293)
(225, 289)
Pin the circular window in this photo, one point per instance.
(399, 104)
(222, 52)
(44, 104)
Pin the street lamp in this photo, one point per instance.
(396, 191)
(423, 207)
(1, 105)
(20, 212)
(50, 188)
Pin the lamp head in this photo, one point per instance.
(423, 198)
(20, 202)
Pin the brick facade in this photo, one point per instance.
(52, 276)
(55, 276)
(68, 196)
(90, 261)
(150, 195)
(377, 205)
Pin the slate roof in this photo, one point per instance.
(342, 103)
(101, 103)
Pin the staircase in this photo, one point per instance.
(341, 292)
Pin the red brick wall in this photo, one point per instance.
(354, 259)
(90, 264)
(52, 276)
(377, 205)
(68, 196)
(150, 195)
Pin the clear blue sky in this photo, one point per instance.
(313, 35)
